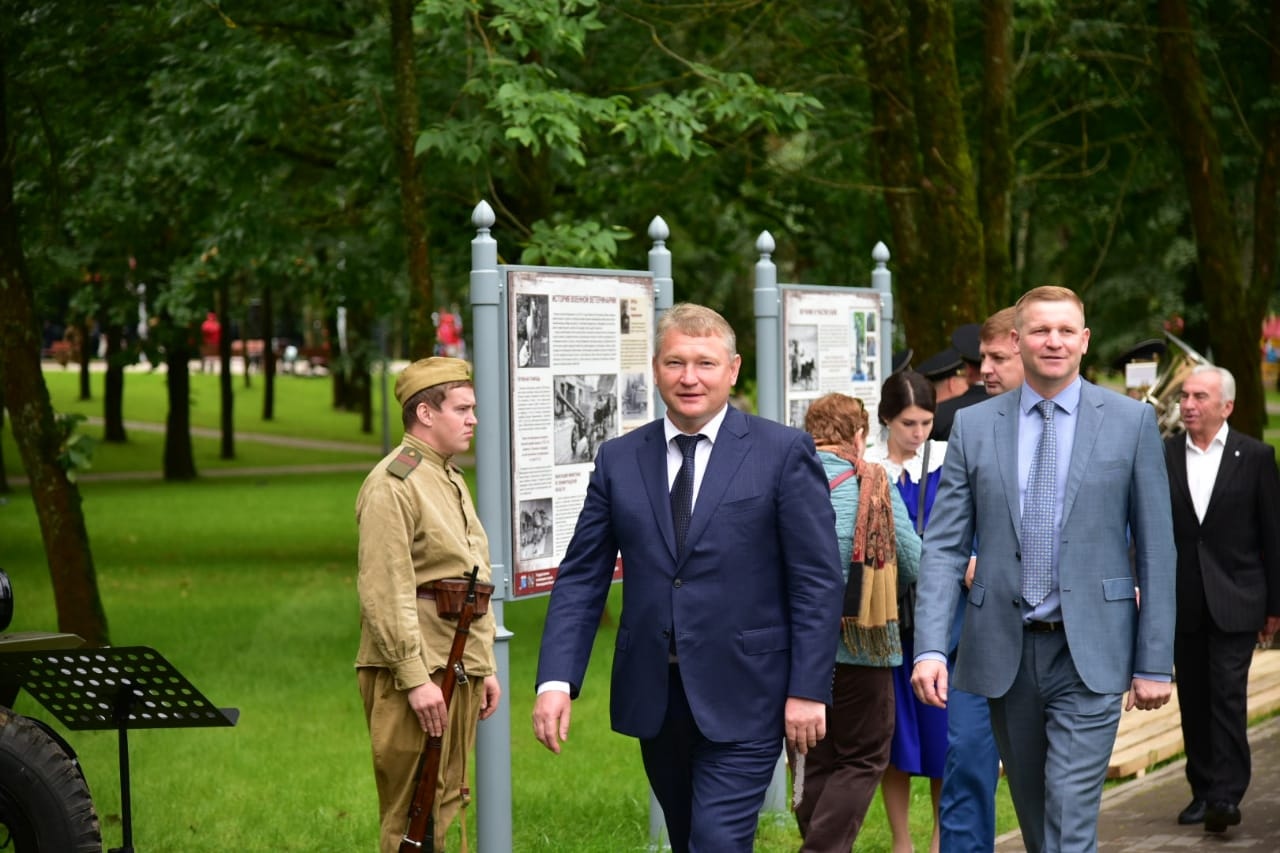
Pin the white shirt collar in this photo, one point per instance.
(1219, 438)
(709, 430)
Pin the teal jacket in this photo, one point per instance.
(845, 501)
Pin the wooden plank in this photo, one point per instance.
(1147, 754)
(1146, 738)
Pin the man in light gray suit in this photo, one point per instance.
(1055, 482)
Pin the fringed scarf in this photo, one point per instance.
(874, 570)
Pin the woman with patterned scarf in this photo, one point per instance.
(836, 781)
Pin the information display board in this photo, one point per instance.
(832, 341)
(581, 347)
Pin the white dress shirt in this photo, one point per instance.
(1202, 469)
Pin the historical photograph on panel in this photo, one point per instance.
(532, 343)
(635, 394)
(535, 529)
(863, 353)
(796, 412)
(586, 415)
(802, 357)
(624, 314)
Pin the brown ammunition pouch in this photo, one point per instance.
(450, 595)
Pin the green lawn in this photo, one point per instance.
(246, 585)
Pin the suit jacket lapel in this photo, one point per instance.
(653, 471)
(1088, 425)
(1228, 469)
(1007, 419)
(732, 445)
(1176, 460)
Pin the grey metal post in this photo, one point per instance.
(663, 289)
(768, 348)
(769, 405)
(493, 476)
(663, 298)
(882, 281)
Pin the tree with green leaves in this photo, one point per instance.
(1236, 298)
(46, 444)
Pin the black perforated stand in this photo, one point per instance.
(132, 687)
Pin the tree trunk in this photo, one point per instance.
(412, 195)
(339, 364)
(86, 387)
(113, 388)
(39, 440)
(268, 354)
(995, 158)
(1266, 214)
(888, 60)
(4, 477)
(179, 456)
(1235, 324)
(955, 253)
(226, 395)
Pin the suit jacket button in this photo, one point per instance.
(1017, 554)
(666, 635)
(678, 583)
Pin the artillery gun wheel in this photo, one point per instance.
(45, 805)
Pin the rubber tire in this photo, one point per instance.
(45, 806)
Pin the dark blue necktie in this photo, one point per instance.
(682, 490)
(1038, 512)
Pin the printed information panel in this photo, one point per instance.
(832, 342)
(581, 373)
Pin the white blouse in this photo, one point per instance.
(879, 453)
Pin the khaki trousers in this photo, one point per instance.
(397, 739)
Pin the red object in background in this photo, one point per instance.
(448, 334)
(211, 330)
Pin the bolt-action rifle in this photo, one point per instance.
(421, 832)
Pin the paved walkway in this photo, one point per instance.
(1141, 814)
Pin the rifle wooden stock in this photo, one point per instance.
(420, 833)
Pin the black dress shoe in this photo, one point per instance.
(1194, 813)
(1219, 816)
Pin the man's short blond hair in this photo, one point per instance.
(998, 325)
(696, 321)
(1045, 293)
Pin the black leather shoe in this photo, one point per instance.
(1219, 816)
(1193, 813)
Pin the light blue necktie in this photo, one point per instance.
(1038, 512)
(682, 490)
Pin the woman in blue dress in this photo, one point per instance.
(914, 464)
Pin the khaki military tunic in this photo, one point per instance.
(417, 524)
(414, 530)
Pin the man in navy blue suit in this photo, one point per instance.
(725, 640)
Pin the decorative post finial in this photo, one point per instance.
(482, 217)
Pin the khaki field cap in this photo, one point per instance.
(426, 372)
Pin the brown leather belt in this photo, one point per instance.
(451, 593)
(1035, 627)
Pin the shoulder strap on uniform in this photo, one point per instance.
(404, 463)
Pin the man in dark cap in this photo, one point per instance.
(943, 369)
(418, 528)
(967, 344)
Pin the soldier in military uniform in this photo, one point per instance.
(418, 527)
